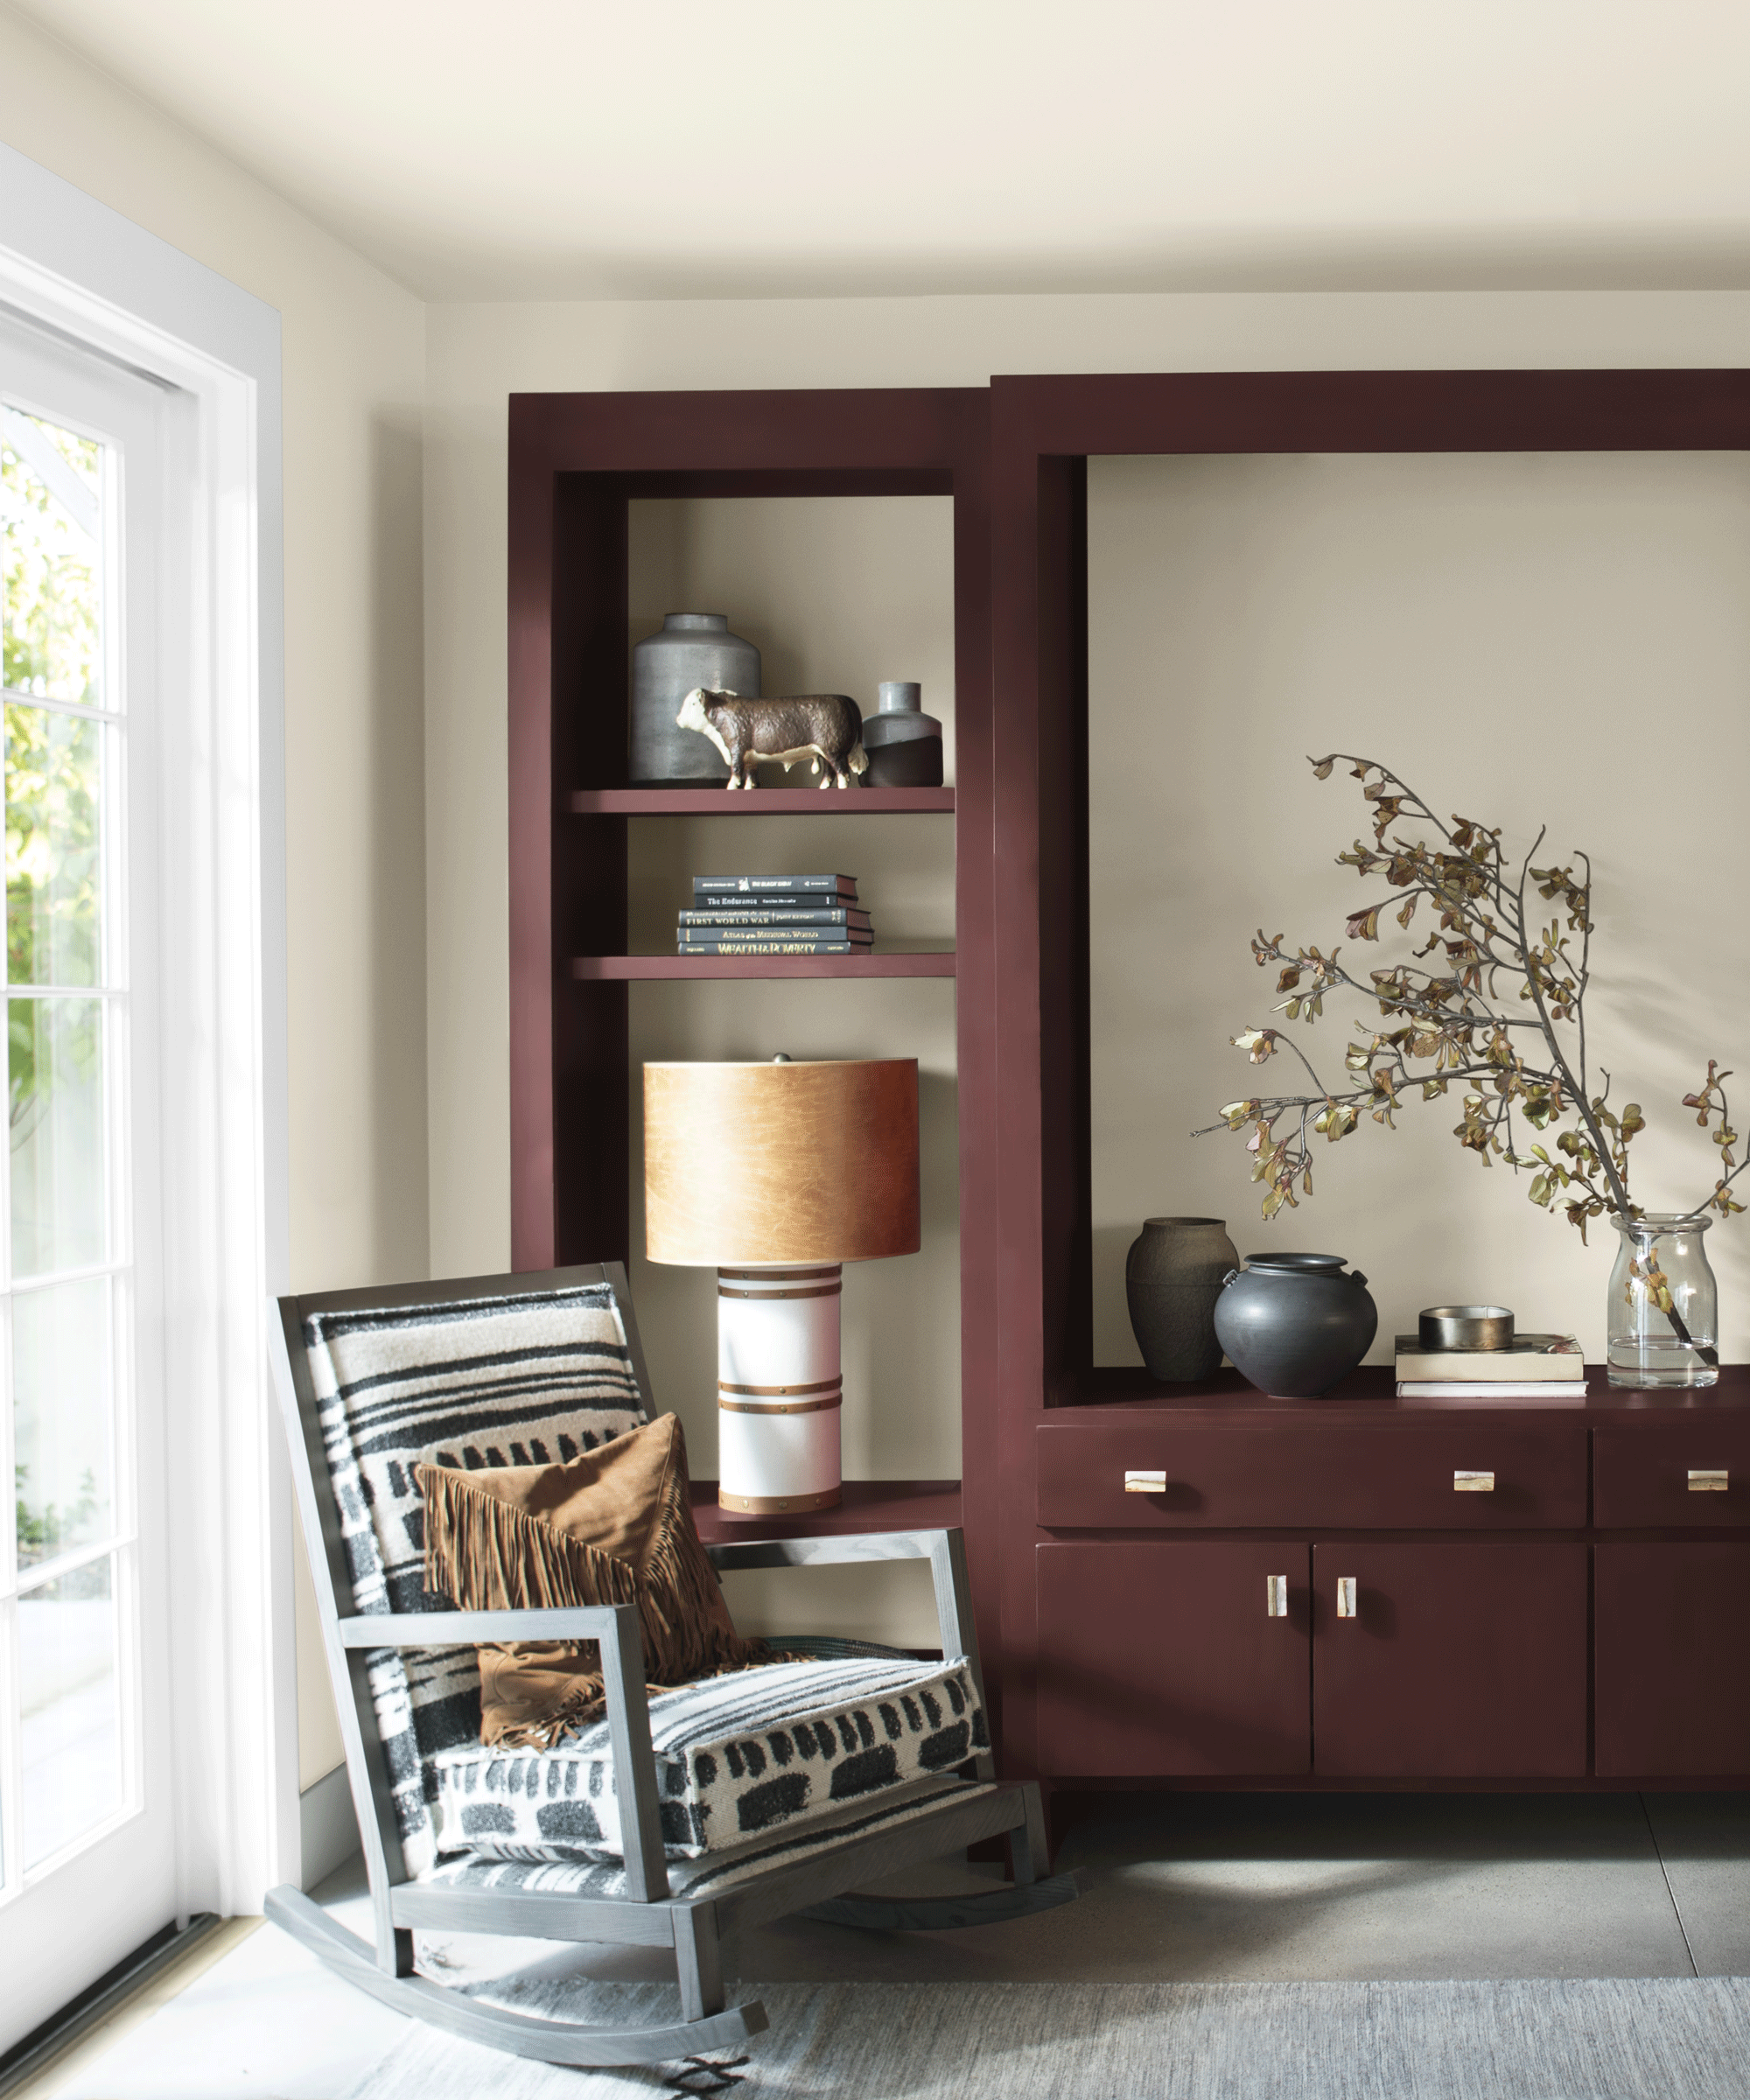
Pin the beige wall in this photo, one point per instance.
(1560, 639)
(354, 346)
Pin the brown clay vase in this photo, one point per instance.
(1173, 1275)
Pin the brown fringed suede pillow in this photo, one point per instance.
(614, 1526)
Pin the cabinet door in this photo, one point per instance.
(1159, 1660)
(1673, 1684)
(1456, 1661)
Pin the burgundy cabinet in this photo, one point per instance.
(1672, 1627)
(1449, 1662)
(1169, 1659)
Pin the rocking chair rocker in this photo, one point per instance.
(506, 1370)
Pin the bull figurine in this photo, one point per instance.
(824, 727)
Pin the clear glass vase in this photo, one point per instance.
(1664, 1305)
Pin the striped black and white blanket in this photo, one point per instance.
(516, 1380)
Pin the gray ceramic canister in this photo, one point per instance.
(1294, 1324)
(691, 649)
(902, 743)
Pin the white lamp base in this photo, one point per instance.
(779, 1389)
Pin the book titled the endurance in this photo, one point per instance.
(786, 915)
(820, 888)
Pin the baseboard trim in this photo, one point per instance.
(328, 1831)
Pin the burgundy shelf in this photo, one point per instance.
(1371, 1393)
(868, 1505)
(597, 970)
(760, 802)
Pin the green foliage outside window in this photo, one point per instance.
(44, 1532)
(53, 646)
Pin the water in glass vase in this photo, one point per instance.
(1663, 1323)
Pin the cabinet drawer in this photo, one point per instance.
(1667, 1469)
(1304, 1475)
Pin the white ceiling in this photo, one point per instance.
(681, 148)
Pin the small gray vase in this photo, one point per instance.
(1173, 1276)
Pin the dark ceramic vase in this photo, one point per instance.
(1294, 1324)
(1173, 1276)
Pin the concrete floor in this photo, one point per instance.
(1194, 1888)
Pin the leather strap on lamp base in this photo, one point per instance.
(778, 1505)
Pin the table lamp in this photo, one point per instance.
(775, 1175)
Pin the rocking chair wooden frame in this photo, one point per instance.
(649, 1913)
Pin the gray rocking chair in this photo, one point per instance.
(507, 1370)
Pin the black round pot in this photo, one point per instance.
(1294, 1324)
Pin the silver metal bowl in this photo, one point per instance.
(1466, 1327)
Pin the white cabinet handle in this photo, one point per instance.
(1472, 1483)
(1708, 1480)
(1345, 1596)
(1144, 1483)
(1276, 1596)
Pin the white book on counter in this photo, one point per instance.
(1552, 1392)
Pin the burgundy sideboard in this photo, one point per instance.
(1361, 1591)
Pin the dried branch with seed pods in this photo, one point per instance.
(1488, 1011)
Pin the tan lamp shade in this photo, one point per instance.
(814, 1161)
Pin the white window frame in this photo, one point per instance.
(70, 264)
(124, 414)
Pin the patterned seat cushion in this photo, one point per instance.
(717, 1871)
(738, 1758)
(517, 1379)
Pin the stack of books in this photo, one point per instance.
(774, 915)
(1532, 1367)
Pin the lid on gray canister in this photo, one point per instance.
(901, 696)
(709, 623)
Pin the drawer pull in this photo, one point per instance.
(1144, 1483)
(1708, 1480)
(1276, 1596)
(1472, 1483)
(1345, 1596)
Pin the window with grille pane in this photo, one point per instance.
(66, 1567)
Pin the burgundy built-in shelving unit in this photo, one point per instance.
(1073, 1578)
(1584, 1617)
(576, 460)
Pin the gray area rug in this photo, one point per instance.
(1657, 2040)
